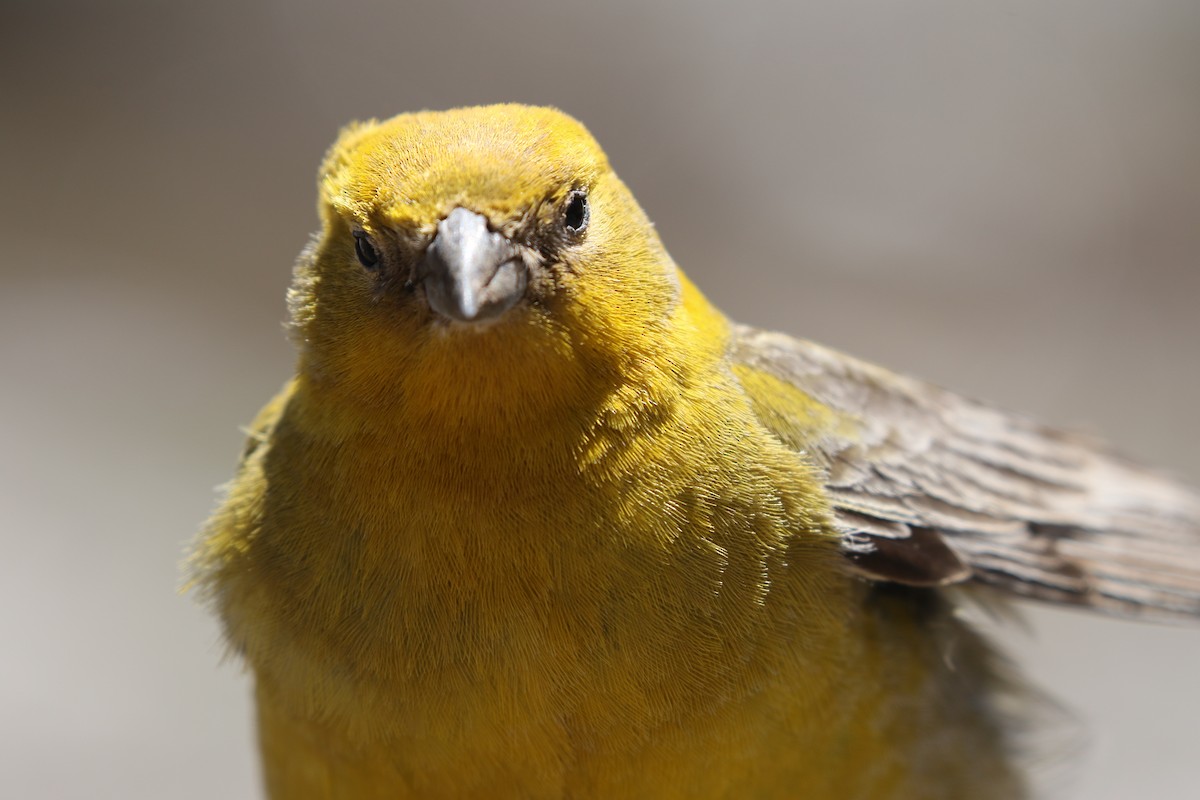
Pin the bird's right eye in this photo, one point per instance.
(368, 256)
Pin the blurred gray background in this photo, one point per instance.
(1001, 197)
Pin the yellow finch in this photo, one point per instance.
(534, 520)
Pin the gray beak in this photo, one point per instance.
(470, 273)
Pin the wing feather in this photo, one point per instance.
(931, 488)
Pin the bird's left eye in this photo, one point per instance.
(368, 256)
(576, 213)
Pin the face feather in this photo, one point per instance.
(484, 246)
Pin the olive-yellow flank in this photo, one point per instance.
(534, 520)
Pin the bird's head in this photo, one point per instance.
(484, 253)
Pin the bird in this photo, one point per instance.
(534, 519)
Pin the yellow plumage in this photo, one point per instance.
(585, 547)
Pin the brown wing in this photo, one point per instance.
(934, 489)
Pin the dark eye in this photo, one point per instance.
(368, 256)
(575, 216)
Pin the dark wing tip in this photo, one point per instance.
(921, 559)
